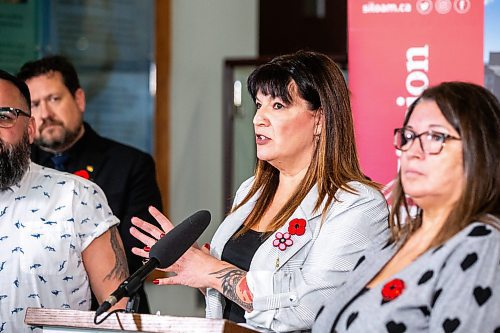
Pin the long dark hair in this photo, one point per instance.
(320, 82)
(474, 113)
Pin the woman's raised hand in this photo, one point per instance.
(195, 268)
(147, 233)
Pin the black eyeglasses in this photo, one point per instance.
(431, 142)
(8, 116)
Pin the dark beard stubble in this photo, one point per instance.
(69, 137)
(14, 161)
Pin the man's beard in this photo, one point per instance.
(61, 143)
(14, 161)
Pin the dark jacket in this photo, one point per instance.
(126, 175)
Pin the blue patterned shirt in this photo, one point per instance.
(46, 222)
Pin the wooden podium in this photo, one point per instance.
(83, 321)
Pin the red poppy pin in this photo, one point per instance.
(392, 289)
(82, 173)
(297, 227)
(85, 173)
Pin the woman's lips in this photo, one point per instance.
(412, 173)
(261, 139)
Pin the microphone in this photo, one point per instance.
(163, 253)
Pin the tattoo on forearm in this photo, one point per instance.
(120, 271)
(234, 286)
(244, 291)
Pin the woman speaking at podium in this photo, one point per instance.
(299, 225)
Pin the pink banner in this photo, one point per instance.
(396, 50)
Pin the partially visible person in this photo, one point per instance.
(65, 142)
(53, 226)
(299, 225)
(439, 271)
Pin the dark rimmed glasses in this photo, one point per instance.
(8, 116)
(431, 142)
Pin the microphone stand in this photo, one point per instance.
(133, 303)
(131, 307)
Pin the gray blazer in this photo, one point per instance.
(289, 285)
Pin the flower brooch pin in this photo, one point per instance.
(284, 239)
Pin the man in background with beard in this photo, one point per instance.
(65, 142)
(52, 226)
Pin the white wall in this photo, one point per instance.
(204, 33)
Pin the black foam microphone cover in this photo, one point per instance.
(178, 240)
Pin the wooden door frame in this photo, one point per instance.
(163, 42)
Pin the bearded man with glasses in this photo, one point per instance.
(50, 229)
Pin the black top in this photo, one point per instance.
(125, 174)
(240, 252)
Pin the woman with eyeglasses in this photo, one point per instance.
(439, 271)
